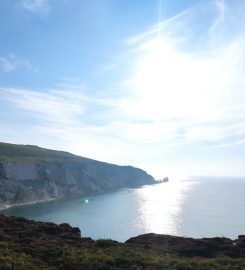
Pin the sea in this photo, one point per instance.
(191, 207)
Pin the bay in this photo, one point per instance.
(194, 207)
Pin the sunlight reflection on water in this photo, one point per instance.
(161, 207)
(119, 215)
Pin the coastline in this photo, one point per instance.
(7, 206)
(4, 206)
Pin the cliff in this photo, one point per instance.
(26, 244)
(30, 173)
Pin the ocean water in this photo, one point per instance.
(195, 207)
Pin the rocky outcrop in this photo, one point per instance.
(30, 178)
(190, 247)
(27, 244)
(17, 228)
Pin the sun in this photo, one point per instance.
(172, 83)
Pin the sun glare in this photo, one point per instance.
(170, 83)
(162, 207)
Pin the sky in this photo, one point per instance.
(156, 84)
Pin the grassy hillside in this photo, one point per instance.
(14, 152)
(26, 244)
(30, 173)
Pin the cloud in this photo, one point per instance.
(190, 74)
(155, 29)
(12, 62)
(55, 106)
(37, 6)
(221, 9)
(183, 95)
(62, 118)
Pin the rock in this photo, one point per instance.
(76, 231)
(29, 174)
(23, 231)
(189, 247)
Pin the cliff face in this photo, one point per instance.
(29, 174)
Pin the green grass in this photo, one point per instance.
(26, 244)
(12, 152)
(94, 258)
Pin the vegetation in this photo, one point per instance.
(26, 244)
(14, 152)
(30, 173)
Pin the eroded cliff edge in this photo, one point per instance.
(30, 173)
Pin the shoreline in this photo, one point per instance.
(4, 206)
(7, 206)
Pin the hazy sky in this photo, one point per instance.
(158, 84)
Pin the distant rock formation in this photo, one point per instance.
(29, 174)
(163, 180)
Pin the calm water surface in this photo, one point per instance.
(198, 207)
